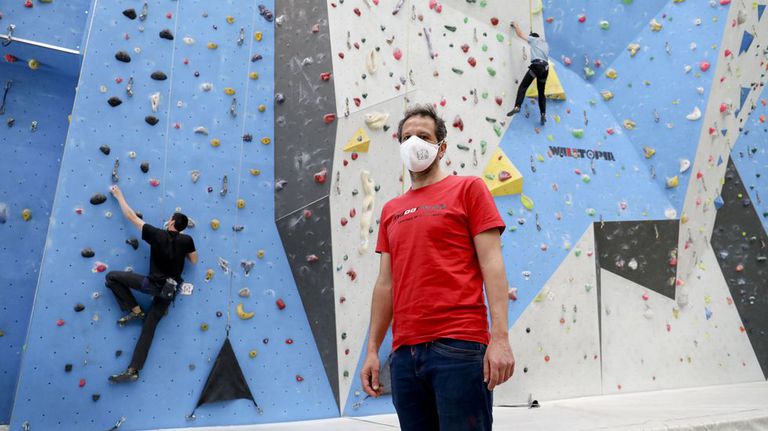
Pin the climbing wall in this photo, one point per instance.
(191, 122)
(636, 209)
(41, 88)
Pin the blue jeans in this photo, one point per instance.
(439, 385)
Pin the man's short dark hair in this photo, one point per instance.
(423, 111)
(534, 34)
(180, 221)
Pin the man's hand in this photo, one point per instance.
(116, 192)
(499, 363)
(369, 376)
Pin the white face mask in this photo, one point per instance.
(418, 154)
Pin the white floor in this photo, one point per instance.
(742, 407)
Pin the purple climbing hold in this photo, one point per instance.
(98, 199)
(266, 13)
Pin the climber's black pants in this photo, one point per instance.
(121, 283)
(538, 70)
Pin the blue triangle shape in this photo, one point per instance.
(744, 94)
(760, 10)
(719, 160)
(746, 41)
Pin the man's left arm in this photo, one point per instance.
(499, 362)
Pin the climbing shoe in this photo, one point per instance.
(129, 317)
(543, 119)
(514, 111)
(126, 376)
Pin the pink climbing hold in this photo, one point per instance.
(725, 2)
(99, 267)
(704, 65)
(458, 123)
(299, 378)
(727, 52)
(344, 221)
(645, 296)
(582, 18)
(504, 176)
(352, 213)
(397, 54)
(312, 258)
(443, 101)
(82, 383)
(154, 182)
(321, 176)
(567, 61)
(723, 108)
(60, 322)
(512, 294)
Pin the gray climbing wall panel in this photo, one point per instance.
(741, 246)
(304, 95)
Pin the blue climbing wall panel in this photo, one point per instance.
(58, 23)
(750, 155)
(285, 373)
(30, 166)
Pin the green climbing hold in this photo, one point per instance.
(451, 28)
(497, 129)
(588, 72)
(490, 176)
(457, 71)
(491, 71)
(526, 201)
(500, 37)
(577, 133)
(462, 147)
(484, 95)
(483, 147)
(591, 212)
(484, 48)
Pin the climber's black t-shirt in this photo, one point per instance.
(167, 253)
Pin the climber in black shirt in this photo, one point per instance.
(168, 249)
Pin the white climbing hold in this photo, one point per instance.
(695, 114)
(376, 120)
(693, 46)
(700, 90)
(154, 99)
(200, 130)
(670, 213)
(206, 86)
(188, 40)
(632, 264)
(687, 68)
(367, 210)
(372, 61)
(685, 164)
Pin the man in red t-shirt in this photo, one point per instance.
(439, 243)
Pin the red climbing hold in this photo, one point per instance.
(154, 183)
(341, 55)
(321, 176)
(10, 58)
(325, 76)
(100, 267)
(494, 21)
(465, 48)
(397, 54)
(82, 383)
(344, 221)
(472, 62)
(354, 156)
(723, 108)
(727, 52)
(458, 123)
(307, 214)
(352, 274)
(312, 258)
(28, 3)
(704, 65)
(582, 18)
(357, 101)
(499, 100)
(299, 378)
(352, 213)
(280, 303)
(289, 341)
(329, 118)
(356, 11)
(60, 322)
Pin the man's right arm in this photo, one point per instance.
(126, 210)
(519, 32)
(381, 318)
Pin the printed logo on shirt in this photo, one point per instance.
(421, 211)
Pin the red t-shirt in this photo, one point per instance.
(437, 284)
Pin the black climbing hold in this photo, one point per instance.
(130, 13)
(159, 76)
(114, 101)
(166, 34)
(95, 397)
(98, 199)
(87, 253)
(139, 214)
(123, 56)
(118, 353)
(105, 149)
(133, 242)
(151, 120)
(256, 57)
(219, 314)
(144, 167)
(266, 13)
(197, 74)
(67, 368)
(79, 307)
(247, 137)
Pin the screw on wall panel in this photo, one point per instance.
(129, 87)
(143, 14)
(224, 186)
(33, 127)
(118, 424)
(233, 108)
(241, 37)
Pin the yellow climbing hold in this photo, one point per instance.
(655, 25)
(501, 176)
(26, 214)
(526, 201)
(611, 73)
(33, 64)
(242, 314)
(258, 35)
(633, 48)
(672, 182)
(215, 223)
(629, 124)
(203, 327)
(255, 172)
(553, 89)
(358, 142)
(266, 140)
(212, 45)
(648, 152)
(253, 75)
(208, 274)
(607, 95)
(260, 254)
(230, 19)
(241, 203)
(253, 353)
(215, 142)
(229, 91)
(262, 107)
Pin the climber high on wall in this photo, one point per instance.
(538, 69)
